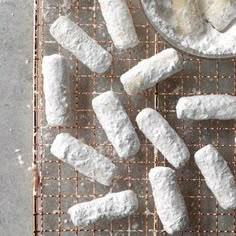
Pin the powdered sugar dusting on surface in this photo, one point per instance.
(20, 159)
(210, 43)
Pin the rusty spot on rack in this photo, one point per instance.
(36, 179)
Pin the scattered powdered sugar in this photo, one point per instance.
(19, 156)
(177, 90)
(148, 212)
(49, 137)
(119, 234)
(210, 43)
(66, 5)
(40, 209)
(134, 226)
(20, 159)
(55, 212)
(194, 90)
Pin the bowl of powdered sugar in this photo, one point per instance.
(203, 28)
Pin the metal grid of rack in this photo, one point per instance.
(57, 186)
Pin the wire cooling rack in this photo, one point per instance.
(57, 186)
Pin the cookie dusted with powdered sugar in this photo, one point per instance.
(116, 124)
(84, 159)
(221, 13)
(71, 37)
(168, 199)
(110, 207)
(218, 176)
(188, 19)
(56, 87)
(205, 107)
(119, 23)
(149, 72)
(163, 137)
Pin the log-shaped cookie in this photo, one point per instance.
(168, 199)
(149, 72)
(163, 137)
(110, 207)
(221, 13)
(84, 158)
(71, 37)
(119, 23)
(116, 124)
(56, 86)
(217, 175)
(205, 107)
(204, 5)
(188, 17)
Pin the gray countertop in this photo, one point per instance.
(16, 117)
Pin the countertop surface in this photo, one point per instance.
(16, 117)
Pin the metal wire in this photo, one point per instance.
(59, 186)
